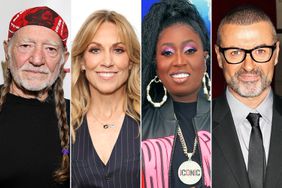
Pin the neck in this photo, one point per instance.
(187, 98)
(22, 92)
(252, 102)
(107, 106)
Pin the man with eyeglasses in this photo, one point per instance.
(247, 118)
(34, 133)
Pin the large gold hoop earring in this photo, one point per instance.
(149, 98)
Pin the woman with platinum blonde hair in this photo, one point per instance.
(105, 103)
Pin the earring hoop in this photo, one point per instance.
(207, 85)
(149, 98)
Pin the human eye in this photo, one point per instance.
(234, 52)
(25, 47)
(119, 50)
(51, 49)
(167, 52)
(189, 50)
(95, 50)
(260, 51)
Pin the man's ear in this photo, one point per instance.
(66, 56)
(218, 56)
(277, 52)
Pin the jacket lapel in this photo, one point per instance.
(274, 165)
(226, 138)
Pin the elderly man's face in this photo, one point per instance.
(248, 78)
(35, 57)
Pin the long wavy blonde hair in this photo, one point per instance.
(80, 99)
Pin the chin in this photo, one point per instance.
(250, 91)
(35, 84)
(108, 90)
(185, 91)
(35, 87)
(186, 95)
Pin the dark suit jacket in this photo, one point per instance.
(228, 167)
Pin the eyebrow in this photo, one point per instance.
(118, 43)
(167, 44)
(47, 42)
(258, 46)
(100, 45)
(51, 42)
(182, 43)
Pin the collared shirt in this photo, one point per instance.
(243, 127)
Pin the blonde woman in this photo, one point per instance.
(105, 103)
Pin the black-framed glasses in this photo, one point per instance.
(260, 54)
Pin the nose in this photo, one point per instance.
(248, 63)
(108, 60)
(37, 56)
(179, 59)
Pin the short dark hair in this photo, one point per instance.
(244, 15)
(161, 16)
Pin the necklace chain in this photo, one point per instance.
(183, 143)
(105, 125)
(184, 146)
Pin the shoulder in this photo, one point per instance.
(277, 98)
(203, 106)
(67, 101)
(131, 120)
(1, 86)
(67, 104)
(220, 109)
(157, 115)
(219, 102)
(132, 127)
(147, 109)
(277, 103)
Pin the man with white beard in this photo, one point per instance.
(34, 133)
(247, 136)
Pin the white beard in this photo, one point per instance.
(32, 84)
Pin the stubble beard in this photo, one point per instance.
(249, 89)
